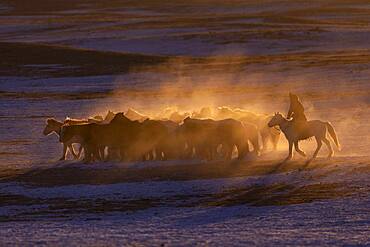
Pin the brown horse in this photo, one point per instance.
(55, 126)
(120, 134)
(204, 136)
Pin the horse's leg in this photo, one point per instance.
(265, 138)
(80, 151)
(208, 152)
(327, 142)
(70, 146)
(64, 152)
(105, 153)
(104, 157)
(241, 151)
(95, 154)
(151, 155)
(112, 153)
(298, 150)
(189, 151)
(88, 153)
(275, 140)
(229, 151)
(290, 156)
(319, 144)
(216, 152)
(148, 156)
(160, 154)
(101, 153)
(256, 148)
(247, 148)
(244, 149)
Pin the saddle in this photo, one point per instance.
(301, 127)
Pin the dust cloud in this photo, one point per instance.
(186, 86)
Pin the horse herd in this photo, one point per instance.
(132, 136)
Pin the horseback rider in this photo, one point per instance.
(296, 111)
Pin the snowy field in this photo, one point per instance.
(323, 203)
(340, 222)
(92, 56)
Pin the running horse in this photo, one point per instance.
(314, 128)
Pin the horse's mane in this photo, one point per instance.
(74, 119)
(196, 120)
(110, 115)
(134, 114)
(53, 121)
(120, 116)
(281, 115)
(97, 118)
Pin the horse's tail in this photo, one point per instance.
(333, 134)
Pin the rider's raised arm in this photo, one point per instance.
(290, 111)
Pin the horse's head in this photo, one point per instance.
(276, 120)
(67, 120)
(120, 118)
(187, 119)
(51, 125)
(110, 115)
(98, 118)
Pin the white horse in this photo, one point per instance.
(314, 128)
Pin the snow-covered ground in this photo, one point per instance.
(339, 222)
(195, 212)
